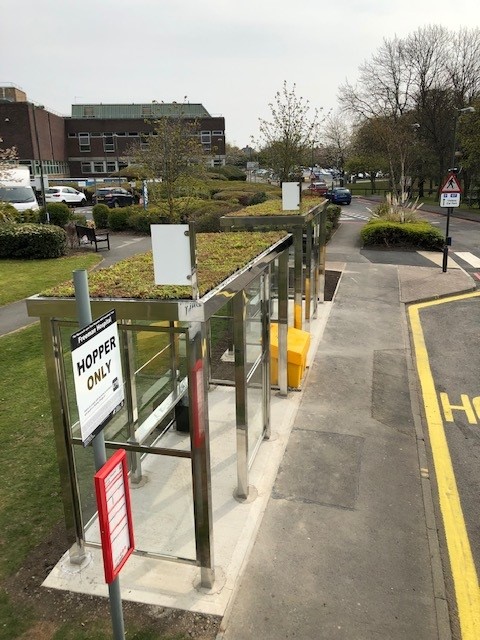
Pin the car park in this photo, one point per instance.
(113, 197)
(318, 187)
(67, 195)
(339, 195)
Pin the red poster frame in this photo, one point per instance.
(100, 479)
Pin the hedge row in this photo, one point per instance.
(32, 241)
(415, 235)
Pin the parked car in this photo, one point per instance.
(339, 195)
(113, 197)
(318, 187)
(67, 195)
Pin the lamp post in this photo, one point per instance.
(454, 169)
(39, 153)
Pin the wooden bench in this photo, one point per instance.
(92, 236)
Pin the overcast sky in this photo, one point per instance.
(230, 55)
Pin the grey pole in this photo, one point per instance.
(84, 314)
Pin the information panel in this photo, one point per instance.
(97, 373)
(114, 514)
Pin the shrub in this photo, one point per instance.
(411, 235)
(243, 197)
(32, 241)
(118, 218)
(79, 218)
(58, 212)
(8, 213)
(141, 220)
(29, 215)
(100, 215)
(333, 214)
(230, 172)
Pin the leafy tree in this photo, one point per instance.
(290, 134)
(171, 151)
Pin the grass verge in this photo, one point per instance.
(22, 278)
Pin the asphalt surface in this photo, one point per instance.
(348, 545)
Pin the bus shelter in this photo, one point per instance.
(164, 423)
(309, 229)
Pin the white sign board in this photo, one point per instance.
(171, 254)
(290, 196)
(449, 199)
(97, 373)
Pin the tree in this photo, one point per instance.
(286, 139)
(7, 157)
(336, 141)
(172, 151)
(424, 77)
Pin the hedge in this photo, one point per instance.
(58, 212)
(409, 235)
(32, 241)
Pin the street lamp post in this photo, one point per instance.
(39, 153)
(454, 169)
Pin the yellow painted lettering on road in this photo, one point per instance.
(465, 405)
(464, 573)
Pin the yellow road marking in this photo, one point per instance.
(461, 560)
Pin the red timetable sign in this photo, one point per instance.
(114, 514)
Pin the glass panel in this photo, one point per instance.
(162, 508)
(221, 345)
(255, 413)
(253, 333)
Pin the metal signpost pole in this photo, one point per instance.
(84, 313)
(447, 241)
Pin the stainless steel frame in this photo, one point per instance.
(309, 264)
(189, 318)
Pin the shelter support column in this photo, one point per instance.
(200, 447)
(239, 340)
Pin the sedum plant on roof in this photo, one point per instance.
(219, 255)
(274, 208)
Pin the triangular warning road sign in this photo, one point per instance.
(451, 184)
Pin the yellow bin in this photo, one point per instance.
(298, 344)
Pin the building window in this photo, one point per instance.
(88, 112)
(72, 135)
(108, 142)
(146, 110)
(84, 142)
(206, 137)
(86, 167)
(98, 167)
(217, 133)
(111, 167)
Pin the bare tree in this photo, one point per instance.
(336, 140)
(290, 133)
(171, 151)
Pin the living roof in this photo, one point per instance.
(274, 208)
(219, 255)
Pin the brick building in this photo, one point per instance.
(94, 140)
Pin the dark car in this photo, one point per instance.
(318, 187)
(113, 197)
(339, 195)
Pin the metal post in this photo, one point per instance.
(298, 277)
(282, 363)
(42, 182)
(84, 314)
(239, 340)
(447, 240)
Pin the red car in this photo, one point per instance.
(319, 187)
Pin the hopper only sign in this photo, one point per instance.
(97, 374)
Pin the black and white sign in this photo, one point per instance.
(97, 373)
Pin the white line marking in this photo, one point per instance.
(437, 258)
(469, 257)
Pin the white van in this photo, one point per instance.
(15, 188)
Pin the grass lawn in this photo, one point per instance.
(22, 278)
(30, 501)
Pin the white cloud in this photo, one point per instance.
(231, 56)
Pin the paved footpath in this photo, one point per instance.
(347, 548)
